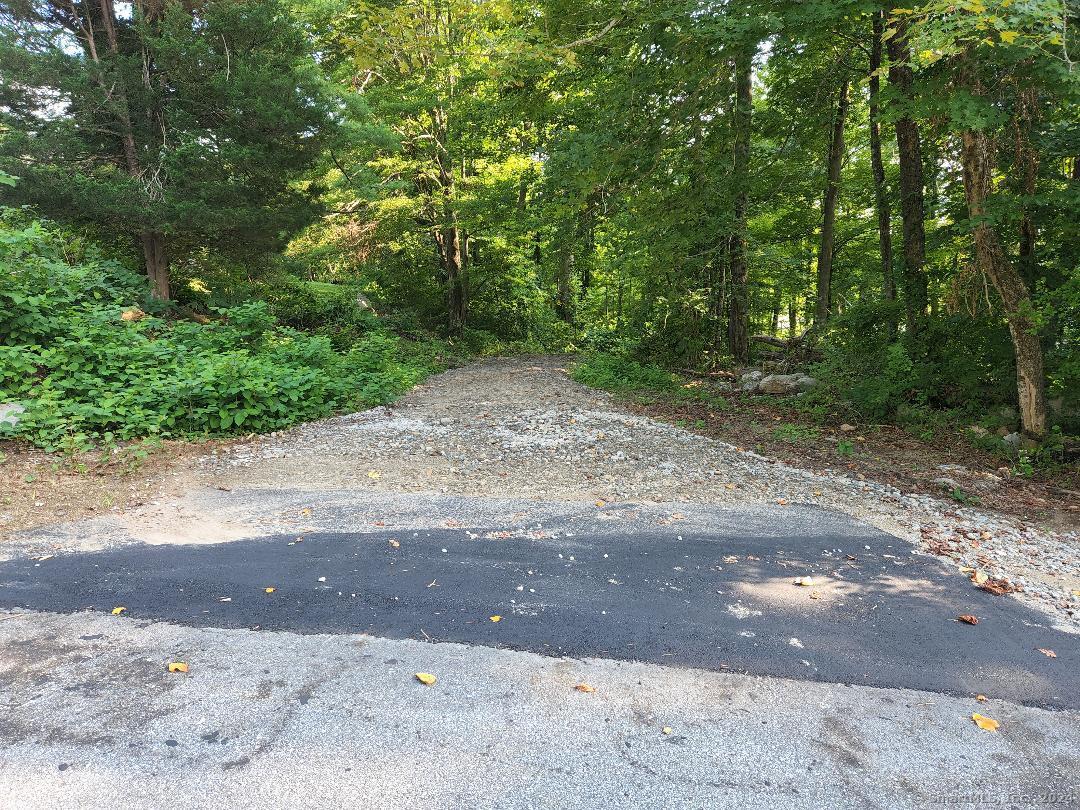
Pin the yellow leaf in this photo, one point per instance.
(927, 56)
(305, 512)
(116, 611)
(804, 581)
(1008, 37)
(1046, 652)
(496, 618)
(985, 723)
(981, 698)
(394, 543)
(374, 475)
(600, 503)
(584, 687)
(426, 678)
(980, 577)
(668, 729)
(177, 666)
(269, 590)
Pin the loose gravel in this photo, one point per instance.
(521, 428)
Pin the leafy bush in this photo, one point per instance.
(77, 349)
(616, 373)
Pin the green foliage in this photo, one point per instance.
(794, 434)
(615, 373)
(87, 376)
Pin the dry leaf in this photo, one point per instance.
(600, 503)
(177, 666)
(804, 581)
(584, 687)
(269, 590)
(781, 501)
(305, 512)
(374, 475)
(116, 611)
(981, 698)
(1046, 652)
(815, 595)
(496, 618)
(967, 618)
(426, 678)
(668, 729)
(980, 577)
(393, 543)
(133, 314)
(985, 723)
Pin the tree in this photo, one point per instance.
(175, 125)
(739, 314)
(828, 208)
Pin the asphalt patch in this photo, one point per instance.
(874, 613)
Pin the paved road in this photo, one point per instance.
(875, 614)
(319, 707)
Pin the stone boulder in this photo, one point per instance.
(785, 384)
(10, 413)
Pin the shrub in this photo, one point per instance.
(616, 373)
(86, 374)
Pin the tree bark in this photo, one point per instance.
(156, 258)
(909, 147)
(739, 303)
(881, 194)
(991, 259)
(828, 210)
(563, 304)
(1027, 164)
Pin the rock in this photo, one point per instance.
(1016, 442)
(847, 428)
(748, 382)
(783, 384)
(10, 413)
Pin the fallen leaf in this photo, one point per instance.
(967, 618)
(781, 501)
(985, 723)
(269, 590)
(393, 543)
(116, 611)
(133, 314)
(496, 618)
(177, 666)
(305, 512)
(731, 558)
(600, 503)
(584, 687)
(815, 595)
(804, 581)
(981, 698)
(374, 475)
(668, 729)
(980, 577)
(426, 678)
(1046, 652)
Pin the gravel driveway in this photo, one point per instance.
(520, 428)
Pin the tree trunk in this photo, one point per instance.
(739, 303)
(911, 185)
(881, 194)
(157, 263)
(828, 209)
(1027, 164)
(563, 305)
(991, 259)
